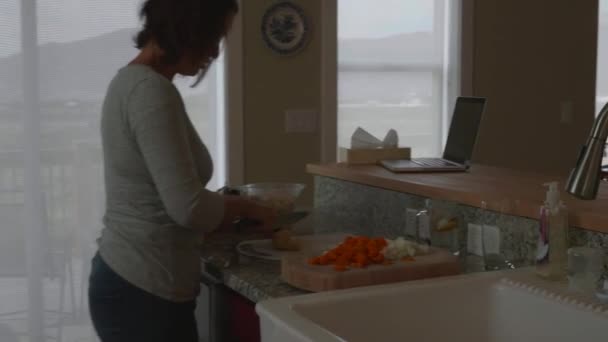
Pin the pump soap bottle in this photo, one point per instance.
(551, 256)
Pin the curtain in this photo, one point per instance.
(56, 59)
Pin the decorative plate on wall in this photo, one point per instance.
(285, 28)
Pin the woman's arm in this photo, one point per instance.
(158, 123)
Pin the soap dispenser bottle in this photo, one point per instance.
(424, 224)
(551, 256)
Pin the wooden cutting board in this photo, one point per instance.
(296, 271)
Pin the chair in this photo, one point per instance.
(58, 263)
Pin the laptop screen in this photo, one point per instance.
(463, 129)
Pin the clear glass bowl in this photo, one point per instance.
(281, 196)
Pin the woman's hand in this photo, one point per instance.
(267, 216)
(240, 207)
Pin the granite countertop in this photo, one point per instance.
(258, 279)
(255, 279)
(481, 183)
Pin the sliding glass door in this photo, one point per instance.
(56, 60)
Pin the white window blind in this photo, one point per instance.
(56, 60)
(602, 57)
(601, 96)
(397, 69)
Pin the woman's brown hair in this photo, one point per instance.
(184, 26)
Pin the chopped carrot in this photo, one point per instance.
(314, 261)
(354, 251)
(373, 252)
(361, 258)
(324, 260)
(408, 258)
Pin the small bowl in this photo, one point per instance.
(281, 196)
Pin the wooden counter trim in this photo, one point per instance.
(481, 183)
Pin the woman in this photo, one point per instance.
(145, 277)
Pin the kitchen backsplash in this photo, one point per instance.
(342, 206)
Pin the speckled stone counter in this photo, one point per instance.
(342, 206)
(351, 207)
(252, 278)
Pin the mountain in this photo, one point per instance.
(79, 70)
(409, 48)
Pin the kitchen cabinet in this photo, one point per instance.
(223, 315)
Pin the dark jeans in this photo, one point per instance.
(122, 312)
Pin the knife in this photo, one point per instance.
(282, 220)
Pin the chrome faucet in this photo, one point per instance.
(585, 178)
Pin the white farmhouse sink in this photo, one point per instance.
(470, 308)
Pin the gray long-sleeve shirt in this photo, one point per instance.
(156, 168)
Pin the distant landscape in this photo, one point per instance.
(372, 79)
(73, 78)
(81, 70)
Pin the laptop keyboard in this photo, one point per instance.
(433, 162)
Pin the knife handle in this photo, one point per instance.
(244, 222)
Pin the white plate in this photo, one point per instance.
(285, 28)
(260, 249)
(314, 244)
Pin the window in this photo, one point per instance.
(601, 96)
(602, 58)
(396, 69)
(56, 60)
(205, 106)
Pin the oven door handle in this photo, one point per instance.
(210, 274)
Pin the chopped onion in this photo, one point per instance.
(401, 248)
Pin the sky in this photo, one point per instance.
(380, 18)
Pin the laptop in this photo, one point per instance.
(459, 146)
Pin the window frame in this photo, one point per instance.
(234, 127)
(460, 82)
